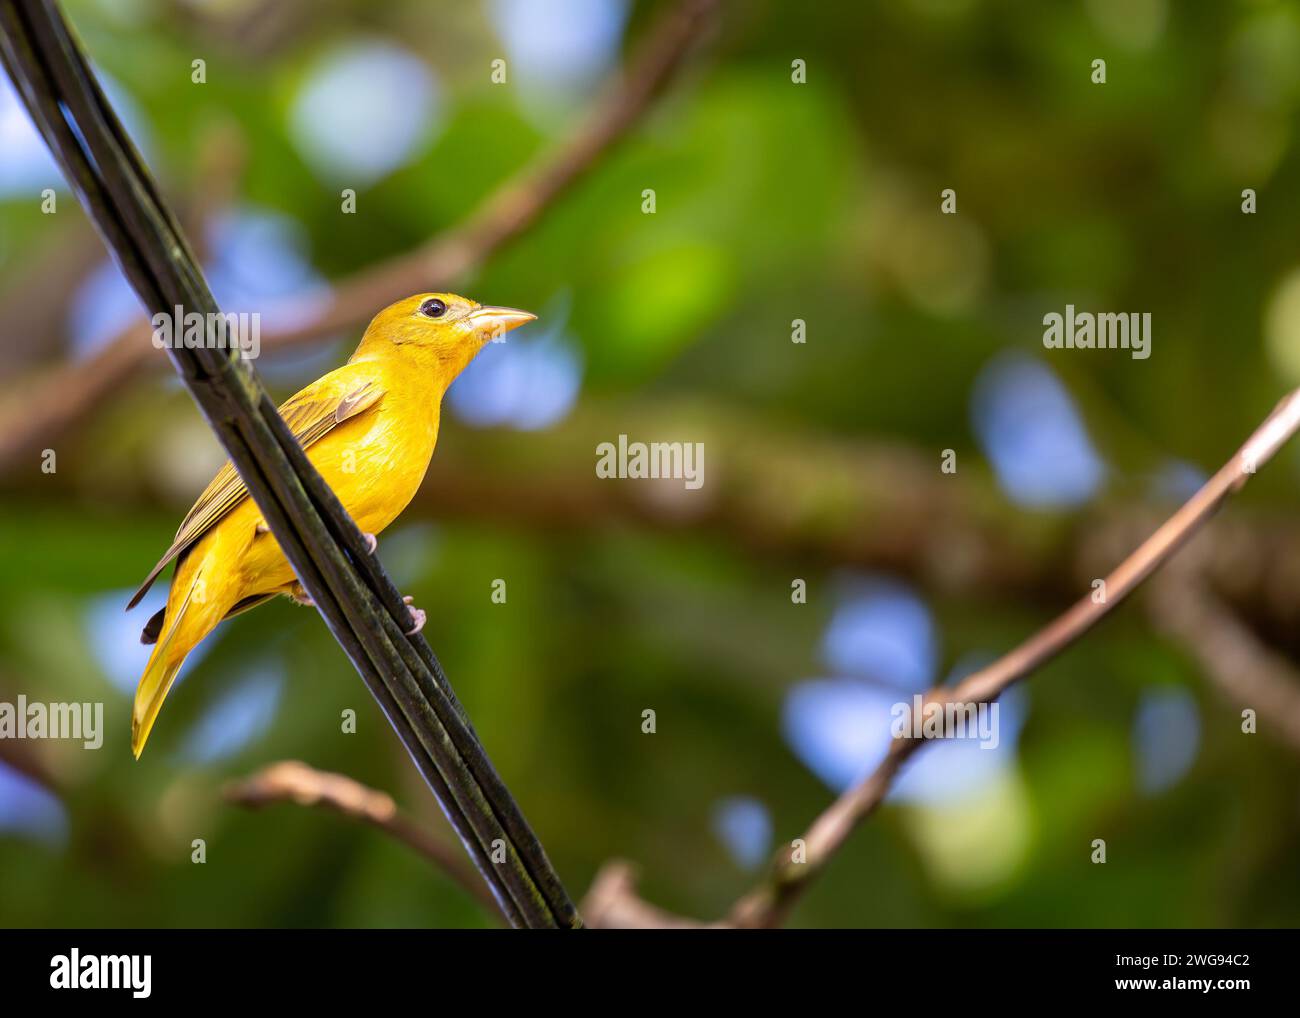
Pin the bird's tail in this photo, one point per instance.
(186, 623)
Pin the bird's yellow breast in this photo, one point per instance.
(377, 461)
(374, 462)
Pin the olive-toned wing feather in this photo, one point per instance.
(311, 414)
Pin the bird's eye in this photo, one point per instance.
(433, 308)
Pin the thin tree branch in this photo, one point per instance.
(518, 204)
(295, 782)
(350, 588)
(792, 872)
(58, 400)
(610, 903)
(613, 904)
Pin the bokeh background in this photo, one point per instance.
(775, 201)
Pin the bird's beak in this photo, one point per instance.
(491, 323)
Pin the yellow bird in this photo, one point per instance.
(369, 427)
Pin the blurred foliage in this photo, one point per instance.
(775, 202)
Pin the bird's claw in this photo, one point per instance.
(417, 614)
(372, 542)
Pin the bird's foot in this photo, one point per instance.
(417, 614)
(299, 593)
(372, 542)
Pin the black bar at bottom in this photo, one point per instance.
(682, 970)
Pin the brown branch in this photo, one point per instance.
(56, 401)
(613, 904)
(521, 201)
(295, 782)
(791, 873)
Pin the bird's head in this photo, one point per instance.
(439, 328)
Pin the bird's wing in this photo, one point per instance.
(310, 414)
